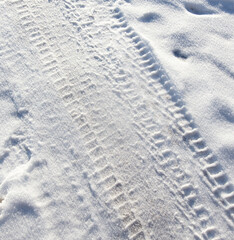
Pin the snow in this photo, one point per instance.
(116, 119)
(194, 42)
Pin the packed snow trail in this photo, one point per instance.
(125, 159)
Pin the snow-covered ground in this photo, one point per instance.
(194, 42)
(116, 119)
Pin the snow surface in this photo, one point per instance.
(116, 119)
(194, 42)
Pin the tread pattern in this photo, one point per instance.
(183, 124)
(49, 67)
(99, 130)
(105, 180)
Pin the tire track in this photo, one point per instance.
(210, 232)
(159, 85)
(8, 54)
(104, 174)
(101, 180)
(169, 164)
(106, 179)
(49, 67)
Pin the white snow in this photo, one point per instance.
(194, 42)
(116, 119)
